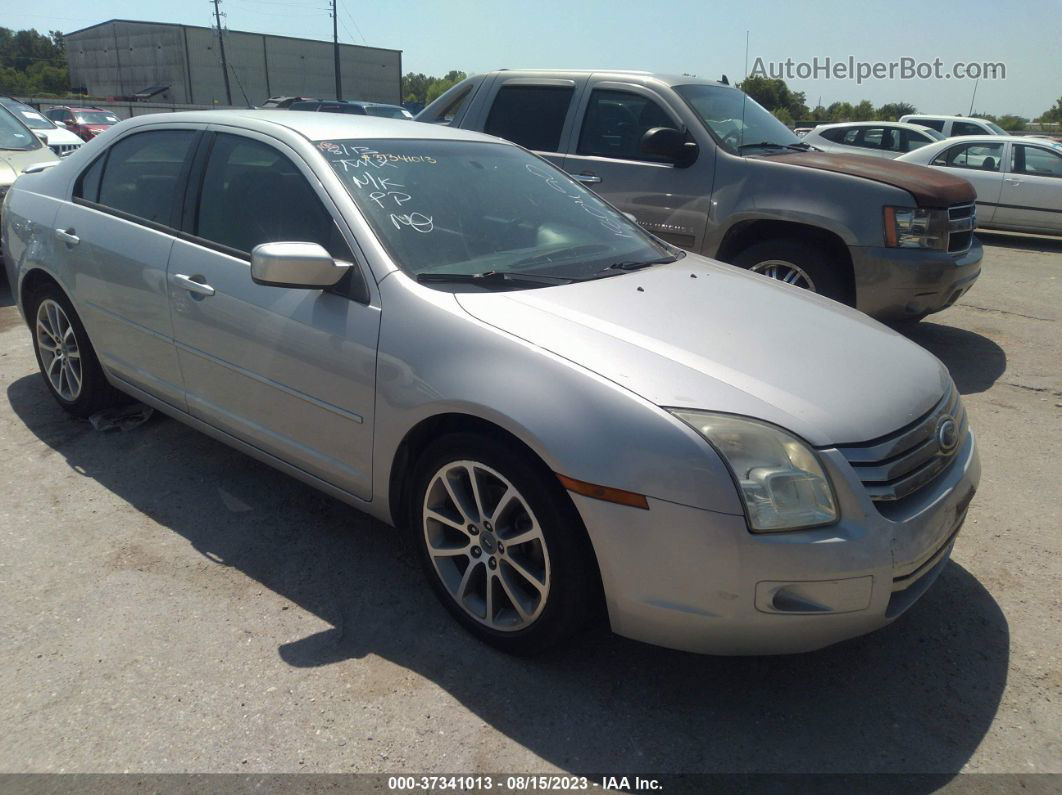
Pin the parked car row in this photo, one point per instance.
(59, 140)
(479, 345)
(86, 123)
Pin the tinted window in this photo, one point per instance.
(913, 140)
(966, 128)
(88, 184)
(142, 172)
(935, 124)
(615, 122)
(254, 194)
(1037, 162)
(449, 113)
(303, 106)
(985, 157)
(531, 116)
(836, 134)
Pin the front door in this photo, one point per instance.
(1032, 190)
(670, 202)
(289, 371)
(982, 165)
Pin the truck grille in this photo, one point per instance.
(962, 218)
(895, 466)
(64, 149)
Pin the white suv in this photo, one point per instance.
(62, 142)
(950, 126)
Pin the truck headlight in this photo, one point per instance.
(780, 479)
(915, 227)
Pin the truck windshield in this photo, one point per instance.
(741, 123)
(452, 212)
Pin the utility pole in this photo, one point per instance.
(221, 44)
(335, 48)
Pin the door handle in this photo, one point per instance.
(1015, 182)
(67, 236)
(587, 178)
(191, 285)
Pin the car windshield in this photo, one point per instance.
(95, 117)
(388, 111)
(14, 136)
(736, 119)
(471, 209)
(996, 128)
(27, 115)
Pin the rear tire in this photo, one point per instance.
(798, 263)
(65, 356)
(501, 544)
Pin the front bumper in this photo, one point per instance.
(699, 581)
(897, 283)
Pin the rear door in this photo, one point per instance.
(117, 234)
(1032, 189)
(982, 165)
(670, 202)
(538, 113)
(289, 371)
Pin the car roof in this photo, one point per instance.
(937, 117)
(315, 126)
(669, 79)
(901, 124)
(996, 139)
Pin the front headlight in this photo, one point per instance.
(779, 477)
(915, 227)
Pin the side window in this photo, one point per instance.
(852, 136)
(933, 124)
(913, 140)
(253, 194)
(836, 134)
(966, 128)
(1037, 162)
(531, 116)
(87, 186)
(142, 172)
(615, 122)
(449, 113)
(984, 157)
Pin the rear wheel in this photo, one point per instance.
(66, 357)
(501, 543)
(797, 263)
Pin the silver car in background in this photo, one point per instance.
(457, 338)
(871, 138)
(1018, 179)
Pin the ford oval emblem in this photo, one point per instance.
(947, 435)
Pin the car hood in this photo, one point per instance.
(700, 334)
(929, 187)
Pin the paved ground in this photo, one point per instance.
(167, 604)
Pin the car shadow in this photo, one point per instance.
(1027, 242)
(974, 361)
(916, 697)
(6, 297)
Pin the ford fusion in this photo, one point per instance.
(455, 337)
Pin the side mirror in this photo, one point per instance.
(669, 144)
(301, 265)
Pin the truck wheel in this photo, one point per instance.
(797, 263)
(501, 544)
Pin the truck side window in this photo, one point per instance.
(615, 122)
(531, 116)
(965, 128)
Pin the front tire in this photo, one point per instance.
(501, 544)
(65, 356)
(797, 263)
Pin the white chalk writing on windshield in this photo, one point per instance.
(607, 220)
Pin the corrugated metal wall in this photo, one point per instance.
(120, 58)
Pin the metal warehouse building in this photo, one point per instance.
(182, 64)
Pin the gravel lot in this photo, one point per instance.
(170, 605)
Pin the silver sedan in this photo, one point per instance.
(454, 336)
(1018, 179)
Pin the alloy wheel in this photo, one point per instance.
(785, 271)
(486, 545)
(59, 351)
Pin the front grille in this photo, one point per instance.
(65, 149)
(895, 466)
(962, 218)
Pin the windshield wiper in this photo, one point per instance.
(800, 147)
(491, 278)
(639, 264)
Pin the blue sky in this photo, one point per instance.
(679, 36)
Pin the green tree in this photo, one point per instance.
(864, 111)
(892, 111)
(774, 93)
(1012, 123)
(840, 111)
(784, 116)
(424, 88)
(1054, 113)
(31, 62)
